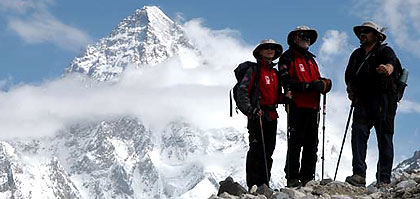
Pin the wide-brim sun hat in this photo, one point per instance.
(277, 48)
(313, 35)
(371, 25)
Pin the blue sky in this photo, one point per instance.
(39, 38)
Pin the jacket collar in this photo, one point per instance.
(262, 63)
(304, 52)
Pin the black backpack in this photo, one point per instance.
(399, 80)
(240, 72)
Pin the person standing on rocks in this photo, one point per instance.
(258, 95)
(299, 75)
(370, 76)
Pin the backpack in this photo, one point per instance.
(399, 79)
(240, 72)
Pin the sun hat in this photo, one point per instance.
(372, 25)
(313, 35)
(277, 48)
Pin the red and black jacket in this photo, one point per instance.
(297, 68)
(268, 92)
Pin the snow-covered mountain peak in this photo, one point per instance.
(410, 165)
(147, 37)
(149, 18)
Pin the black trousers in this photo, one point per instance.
(378, 112)
(303, 131)
(255, 163)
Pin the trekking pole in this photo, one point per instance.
(344, 139)
(265, 156)
(324, 112)
(378, 168)
(288, 139)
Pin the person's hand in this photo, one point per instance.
(327, 85)
(288, 94)
(351, 95)
(322, 85)
(385, 69)
(255, 112)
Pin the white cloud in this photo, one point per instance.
(333, 56)
(19, 6)
(216, 43)
(407, 106)
(44, 28)
(156, 94)
(3, 84)
(32, 21)
(334, 43)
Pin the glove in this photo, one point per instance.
(322, 86)
(327, 85)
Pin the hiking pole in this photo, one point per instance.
(288, 139)
(344, 139)
(324, 112)
(265, 156)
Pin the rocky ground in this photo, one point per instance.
(404, 185)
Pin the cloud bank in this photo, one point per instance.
(158, 94)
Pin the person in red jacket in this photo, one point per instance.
(299, 74)
(258, 96)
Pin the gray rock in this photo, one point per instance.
(231, 187)
(265, 190)
(280, 195)
(407, 184)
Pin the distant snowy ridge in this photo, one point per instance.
(147, 37)
(410, 165)
(24, 177)
(121, 159)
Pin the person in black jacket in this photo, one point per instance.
(370, 78)
(300, 77)
(258, 97)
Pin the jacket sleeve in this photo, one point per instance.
(244, 101)
(350, 72)
(388, 56)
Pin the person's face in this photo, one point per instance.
(303, 40)
(368, 36)
(267, 52)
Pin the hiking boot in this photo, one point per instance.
(304, 182)
(382, 185)
(265, 190)
(356, 180)
(293, 183)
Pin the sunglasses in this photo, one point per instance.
(304, 35)
(366, 30)
(266, 47)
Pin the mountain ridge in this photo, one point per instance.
(145, 38)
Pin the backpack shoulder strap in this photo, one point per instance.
(398, 66)
(255, 91)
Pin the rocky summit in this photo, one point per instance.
(404, 185)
